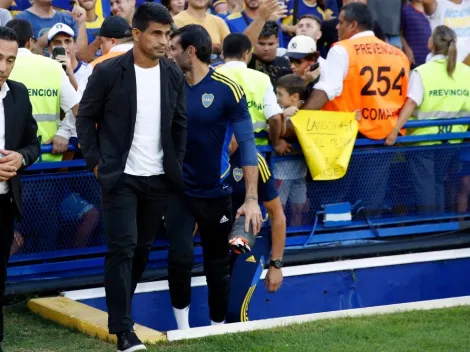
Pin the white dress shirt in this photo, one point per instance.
(271, 107)
(337, 68)
(68, 99)
(3, 93)
(415, 85)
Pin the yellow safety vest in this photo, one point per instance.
(444, 98)
(255, 84)
(43, 78)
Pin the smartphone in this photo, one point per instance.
(64, 4)
(314, 66)
(57, 51)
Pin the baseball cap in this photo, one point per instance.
(60, 28)
(115, 27)
(301, 46)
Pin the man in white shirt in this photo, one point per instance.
(61, 35)
(137, 101)
(454, 14)
(19, 148)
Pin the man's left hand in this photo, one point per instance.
(12, 158)
(252, 214)
(273, 279)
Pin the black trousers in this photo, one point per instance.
(7, 214)
(132, 214)
(214, 219)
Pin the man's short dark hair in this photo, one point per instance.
(235, 45)
(17, 30)
(150, 12)
(270, 28)
(359, 13)
(293, 84)
(197, 36)
(311, 17)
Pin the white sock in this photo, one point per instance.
(182, 317)
(215, 323)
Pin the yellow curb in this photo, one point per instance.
(86, 319)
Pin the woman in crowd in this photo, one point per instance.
(437, 90)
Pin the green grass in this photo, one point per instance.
(443, 330)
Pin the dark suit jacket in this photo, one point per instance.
(20, 132)
(107, 115)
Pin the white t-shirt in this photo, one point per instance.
(457, 17)
(82, 72)
(146, 153)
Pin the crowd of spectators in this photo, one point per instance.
(288, 39)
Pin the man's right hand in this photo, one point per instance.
(282, 147)
(59, 144)
(267, 9)
(7, 171)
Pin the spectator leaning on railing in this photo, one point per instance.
(438, 89)
(19, 149)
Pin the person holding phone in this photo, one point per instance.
(305, 60)
(63, 48)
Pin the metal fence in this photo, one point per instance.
(387, 191)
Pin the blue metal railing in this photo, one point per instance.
(65, 259)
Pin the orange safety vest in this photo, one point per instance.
(376, 84)
(105, 57)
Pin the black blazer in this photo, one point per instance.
(107, 115)
(20, 133)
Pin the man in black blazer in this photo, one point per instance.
(19, 148)
(131, 125)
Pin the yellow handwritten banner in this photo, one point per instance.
(327, 141)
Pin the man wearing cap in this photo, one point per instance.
(302, 53)
(116, 38)
(62, 35)
(49, 91)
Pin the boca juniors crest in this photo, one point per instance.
(207, 100)
(237, 174)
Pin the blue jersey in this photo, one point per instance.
(267, 190)
(214, 105)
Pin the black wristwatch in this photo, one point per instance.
(276, 263)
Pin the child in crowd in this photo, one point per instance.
(291, 174)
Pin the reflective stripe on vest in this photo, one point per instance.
(46, 117)
(421, 115)
(254, 93)
(444, 97)
(42, 77)
(376, 84)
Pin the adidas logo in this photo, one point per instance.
(223, 220)
(251, 259)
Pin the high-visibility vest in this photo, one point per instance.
(42, 77)
(376, 84)
(444, 98)
(255, 85)
(105, 57)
